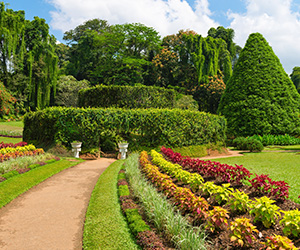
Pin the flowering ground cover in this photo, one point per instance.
(253, 218)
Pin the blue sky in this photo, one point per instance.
(277, 20)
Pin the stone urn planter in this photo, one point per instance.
(123, 146)
(76, 148)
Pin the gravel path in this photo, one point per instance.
(51, 215)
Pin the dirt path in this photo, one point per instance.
(229, 153)
(51, 215)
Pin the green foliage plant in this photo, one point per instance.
(223, 193)
(267, 140)
(121, 176)
(291, 223)
(10, 174)
(136, 222)
(242, 232)
(217, 219)
(123, 190)
(209, 188)
(264, 211)
(238, 201)
(260, 98)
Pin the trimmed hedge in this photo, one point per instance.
(130, 97)
(140, 127)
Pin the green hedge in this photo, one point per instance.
(140, 127)
(130, 97)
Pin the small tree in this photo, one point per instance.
(67, 91)
(260, 98)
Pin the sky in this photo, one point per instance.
(277, 20)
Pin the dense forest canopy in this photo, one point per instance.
(124, 54)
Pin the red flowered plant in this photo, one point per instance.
(235, 174)
(264, 185)
(11, 145)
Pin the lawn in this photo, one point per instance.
(105, 226)
(14, 126)
(280, 148)
(280, 166)
(10, 140)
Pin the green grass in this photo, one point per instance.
(280, 148)
(13, 187)
(105, 226)
(15, 125)
(10, 140)
(279, 166)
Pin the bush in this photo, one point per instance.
(127, 97)
(254, 145)
(140, 127)
(242, 143)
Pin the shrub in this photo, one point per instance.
(141, 128)
(254, 145)
(127, 97)
(242, 143)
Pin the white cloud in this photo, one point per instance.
(276, 21)
(166, 16)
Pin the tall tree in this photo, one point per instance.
(116, 54)
(260, 98)
(41, 63)
(12, 44)
(295, 77)
(28, 63)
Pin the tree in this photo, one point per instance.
(41, 64)
(67, 91)
(28, 63)
(295, 77)
(117, 54)
(260, 98)
(210, 93)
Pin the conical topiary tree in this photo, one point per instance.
(260, 98)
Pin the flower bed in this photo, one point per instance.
(264, 220)
(146, 237)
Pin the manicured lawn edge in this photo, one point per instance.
(13, 187)
(105, 226)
